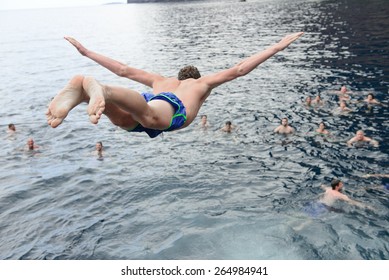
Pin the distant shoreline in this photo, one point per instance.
(151, 1)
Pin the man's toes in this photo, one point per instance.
(100, 112)
(56, 122)
(93, 119)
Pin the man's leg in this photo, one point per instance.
(119, 117)
(156, 114)
(125, 108)
(74, 94)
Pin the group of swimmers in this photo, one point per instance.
(343, 95)
(286, 129)
(228, 126)
(334, 192)
(30, 144)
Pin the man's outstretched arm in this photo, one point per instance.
(249, 64)
(351, 141)
(376, 175)
(116, 67)
(357, 203)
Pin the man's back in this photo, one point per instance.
(331, 196)
(192, 93)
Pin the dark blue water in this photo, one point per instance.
(196, 194)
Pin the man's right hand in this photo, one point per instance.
(289, 39)
(82, 50)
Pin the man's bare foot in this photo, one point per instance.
(97, 101)
(63, 102)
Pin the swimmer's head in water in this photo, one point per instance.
(12, 127)
(99, 146)
(360, 135)
(30, 143)
(322, 125)
(335, 183)
(188, 72)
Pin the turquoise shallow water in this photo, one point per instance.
(196, 194)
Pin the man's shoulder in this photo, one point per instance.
(168, 80)
(165, 83)
(342, 196)
(195, 85)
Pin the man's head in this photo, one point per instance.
(370, 96)
(284, 121)
(30, 143)
(360, 135)
(188, 72)
(336, 184)
(228, 126)
(12, 127)
(343, 89)
(99, 146)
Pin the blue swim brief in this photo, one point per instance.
(178, 119)
(316, 209)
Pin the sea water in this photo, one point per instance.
(195, 194)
